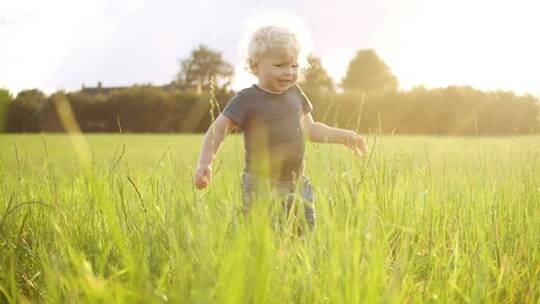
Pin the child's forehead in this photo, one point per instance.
(280, 53)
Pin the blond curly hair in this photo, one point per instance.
(277, 31)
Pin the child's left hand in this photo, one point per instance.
(355, 142)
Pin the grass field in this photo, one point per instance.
(115, 218)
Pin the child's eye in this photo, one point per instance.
(295, 66)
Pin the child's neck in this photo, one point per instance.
(267, 90)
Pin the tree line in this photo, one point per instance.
(367, 100)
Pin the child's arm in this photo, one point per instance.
(217, 132)
(319, 132)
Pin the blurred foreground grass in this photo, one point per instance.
(420, 219)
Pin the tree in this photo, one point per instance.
(319, 87)
(316, 78)
(5, 100)
(203, 65)
(24, 111)
(368, 73)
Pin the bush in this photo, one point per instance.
(5, 101)
(24, 112)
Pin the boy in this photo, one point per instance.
(274, 115)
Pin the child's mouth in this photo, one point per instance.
(284, 82)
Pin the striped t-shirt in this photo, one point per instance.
(273, 130)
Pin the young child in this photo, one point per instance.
(275, 117)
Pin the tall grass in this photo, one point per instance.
(419, 219)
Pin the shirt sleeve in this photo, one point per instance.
(237, 108)
(306, 104)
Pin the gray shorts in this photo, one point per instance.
(255, 187)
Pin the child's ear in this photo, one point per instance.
(253, 66)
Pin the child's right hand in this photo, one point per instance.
(203, 176)
(355, 142)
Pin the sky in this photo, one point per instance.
(63, 44)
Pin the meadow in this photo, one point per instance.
(116, 219)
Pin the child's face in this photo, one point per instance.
(277, 70)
